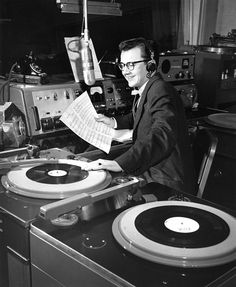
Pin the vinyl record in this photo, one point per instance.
(56, 173)
(182, 234)
(55, 181)
(153, 224)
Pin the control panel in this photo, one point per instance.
(111, 96)
(43, 105)
(118, 96)
(176, 67)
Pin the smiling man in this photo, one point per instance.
(156, 124)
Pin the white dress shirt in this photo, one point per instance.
(126, 134)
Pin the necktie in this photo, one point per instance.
(135, 104)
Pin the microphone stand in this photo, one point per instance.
(85, 15)
(86, 53)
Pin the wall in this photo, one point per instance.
(226, 18)
(201, 18)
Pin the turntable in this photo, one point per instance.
(167, 242)
(163, 243)
(54, 180)
(182, 234)
(51, 188)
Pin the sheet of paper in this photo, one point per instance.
(80, 115)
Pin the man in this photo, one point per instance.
(158, 127)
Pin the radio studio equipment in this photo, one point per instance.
(50, 205)
(43, 105)
(40, 179)
(86, 53)
(220, 187)
(109, 8)
(215, 76)
(111, 97)
(217, 40)
(85, 219)
(178, 68)
(28, 71)
(12, 126)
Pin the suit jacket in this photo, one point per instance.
(160, 151)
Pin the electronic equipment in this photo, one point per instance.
(188, 94)
(86, 53)
(176, 66)
(215, 77)
(78, 211)
(12, 126)
(221, 183)
(43, 105)
(21, 208)
(111, 96)
(217, 40)
(158, 243)
(28, 71)
(94, 7)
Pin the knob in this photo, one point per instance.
(110, 90)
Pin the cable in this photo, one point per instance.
(72, 41)
(9, 79)
(7, 84)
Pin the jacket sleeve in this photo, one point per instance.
(156, 133)
(125, 121)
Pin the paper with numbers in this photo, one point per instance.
(80, 116)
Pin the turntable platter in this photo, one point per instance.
(182, 234)
(54, 180)
(224, 120)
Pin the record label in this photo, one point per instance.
(181, 224)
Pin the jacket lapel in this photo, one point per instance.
(141, 104)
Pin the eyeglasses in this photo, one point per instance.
(129, 65)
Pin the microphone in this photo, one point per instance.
(87, 64)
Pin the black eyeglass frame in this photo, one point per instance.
(130, 65)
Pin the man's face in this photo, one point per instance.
(136, 77)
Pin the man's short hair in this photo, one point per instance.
(148, 47)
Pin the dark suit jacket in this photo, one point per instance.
(160, 141)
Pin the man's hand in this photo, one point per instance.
(102, 164)
(106, 120)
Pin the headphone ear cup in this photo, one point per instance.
(151, 66)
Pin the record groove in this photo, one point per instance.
(212, 229)
(56, 173)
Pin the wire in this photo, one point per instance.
(2, 91)
(72, 41)
(7, 84)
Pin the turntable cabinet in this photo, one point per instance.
(215, 77)
(25, 188)
(221, 185)
(89, 255)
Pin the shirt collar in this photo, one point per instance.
(141, 89)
